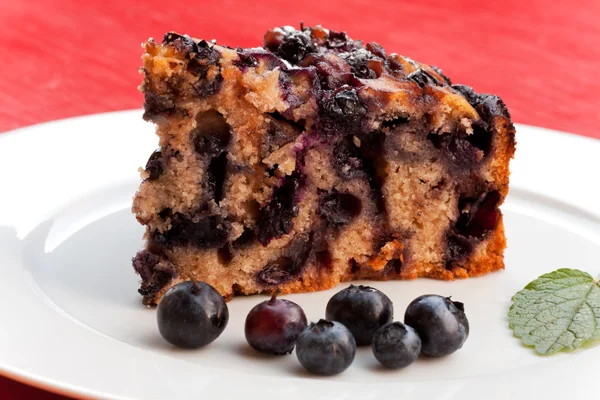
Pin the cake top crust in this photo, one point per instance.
(346, 78)
(327, 85)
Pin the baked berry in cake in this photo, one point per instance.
(313, 160)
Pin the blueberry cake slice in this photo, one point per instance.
(313, 160)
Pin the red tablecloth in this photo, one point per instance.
(61, 58)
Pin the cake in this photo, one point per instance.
(313, 160)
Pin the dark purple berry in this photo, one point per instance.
(295, 46)
(273, 326)
(479, 217)
(440, 322)
(253, 57)
(205, 88)
(437, 140)
(487, 105)
(339, 209)
(490, 106)
(276, 218)
(170, 37)
(205, 233)
(191, 314)
(207, 52)
(205, 56)
(182, 43)
(276, 272)
(245, 239)
(359, 63)
(344, 105)
(346, 160)
(341, 113)
(155, 166)
(144, 263)
(422, 78)
(157, 104)
(458, 248)
(246, 59)
(215, 177)
(279, 132)
(155, 275)
(481, 138)
(463, 150)
(289, 265)
(362, 309)
(212, 135)
(326, 348)
(396, 345)
(462, 153)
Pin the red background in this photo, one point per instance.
(62, 58)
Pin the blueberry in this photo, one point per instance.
(339, 209)
(212, 135)
(276, 218)
(347, 160)
(155, 275)
(192, 314)
(479, 217)
(440, 322)
(458, 248)
(341, 113)
(155, 166)
(206, 88)
(423, 78)
(205, 56)
(181, 43)
(461, 150)
(289, 265)
(246, 59)
(396, 345)
(295, 46)
(156, 104)
(343, 105)
(207, 53)
(273, 326)
(279, 132)
(481, 138)
(244, 240)
(205, 233)
(215, 177)
(362, 309)
(359, 63)
(276, 272)
(326, 348)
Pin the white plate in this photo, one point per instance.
(71, 320)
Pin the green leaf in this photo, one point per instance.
(559, 310)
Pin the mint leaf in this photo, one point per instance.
(559, 310)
